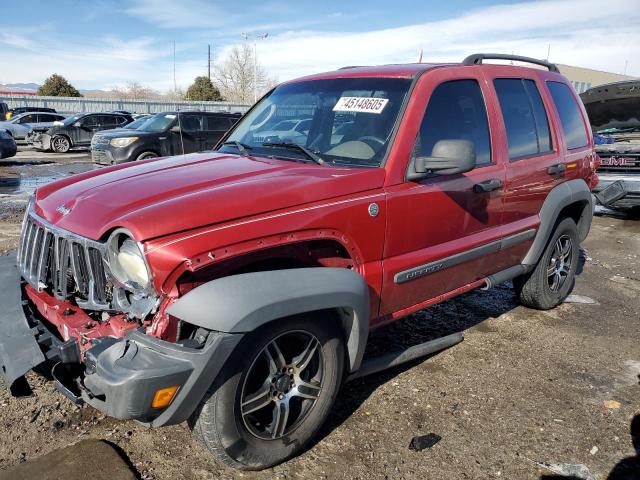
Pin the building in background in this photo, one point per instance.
(585, 78)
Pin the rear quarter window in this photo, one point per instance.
(525, 118)
(573, 126)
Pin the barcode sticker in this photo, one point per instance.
(361, 104)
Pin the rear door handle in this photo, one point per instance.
(487, 186)
(556, 169)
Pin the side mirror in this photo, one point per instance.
(175, 129)
(448, 157)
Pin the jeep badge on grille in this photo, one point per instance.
(63, 210)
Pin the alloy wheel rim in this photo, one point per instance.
(282, 385)
(560, 263)
(60, 143)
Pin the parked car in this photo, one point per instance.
(8, 147)
(76, 131)
(614, 113)
(18, 110)
(292, 130)
(20, 125)
(237, 289)
(164, 134)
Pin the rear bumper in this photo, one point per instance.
(631, 184)
(118, 376)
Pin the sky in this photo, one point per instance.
(101, 44)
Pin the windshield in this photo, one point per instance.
(137, 123)
(72, 119)
(157, 123)
(346, 121)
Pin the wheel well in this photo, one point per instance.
(313, 253)
(577, 211)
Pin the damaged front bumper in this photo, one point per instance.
(118, 376)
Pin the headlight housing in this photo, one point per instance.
(122, 142)
(126, 261)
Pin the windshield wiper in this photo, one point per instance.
(294, 146)
(242, 147)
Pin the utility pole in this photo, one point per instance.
(626, 64)
(209, 62)
(175, 85)
(255, 37)
(548, 51)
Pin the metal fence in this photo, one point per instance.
(81, 104)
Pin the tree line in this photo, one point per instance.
(232, 80)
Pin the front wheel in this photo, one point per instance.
(554, 275)
(145, 155)
(273, 393)
(60, 144)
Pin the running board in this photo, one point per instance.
(393, 359)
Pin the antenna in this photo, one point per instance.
(180, 126)
(175, 85)
(209, 62)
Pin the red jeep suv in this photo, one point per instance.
(236, 289)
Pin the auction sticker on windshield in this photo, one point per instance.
(360, 104)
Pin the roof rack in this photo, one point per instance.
(477, 58)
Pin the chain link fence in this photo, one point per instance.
(67, 105)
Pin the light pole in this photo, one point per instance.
(255, 37)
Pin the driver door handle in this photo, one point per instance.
(557, 169)
(488, 186)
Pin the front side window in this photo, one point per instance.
(312, 114)
(190, 123)
(570, 116)
(525, 118)
(455, 111)
(90, 121)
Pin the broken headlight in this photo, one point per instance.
(126, 261)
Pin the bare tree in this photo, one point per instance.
(234, 75)
(134, 91)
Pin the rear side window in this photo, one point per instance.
(524, 117)
(216, 124)
(455, 111)
(570, 116)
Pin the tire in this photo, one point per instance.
(553, 277)
(230, 421)
(60, 144)
(145, 155)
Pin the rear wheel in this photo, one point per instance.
(60, 144)
(553, 277)
(273, 393)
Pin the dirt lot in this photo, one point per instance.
(523, 389)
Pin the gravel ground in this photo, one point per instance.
(525, 388)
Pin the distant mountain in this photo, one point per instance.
(32, 87)
(20, 87)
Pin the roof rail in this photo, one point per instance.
(350, 66)
(477, 58)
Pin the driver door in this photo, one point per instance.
(441, 230)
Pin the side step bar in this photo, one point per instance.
(393, 359)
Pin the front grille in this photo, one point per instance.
(71, 267)
(98, 140)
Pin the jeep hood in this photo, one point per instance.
(614, 105)
(163, 196)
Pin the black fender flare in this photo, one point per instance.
(241, 303)
(563, 195)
